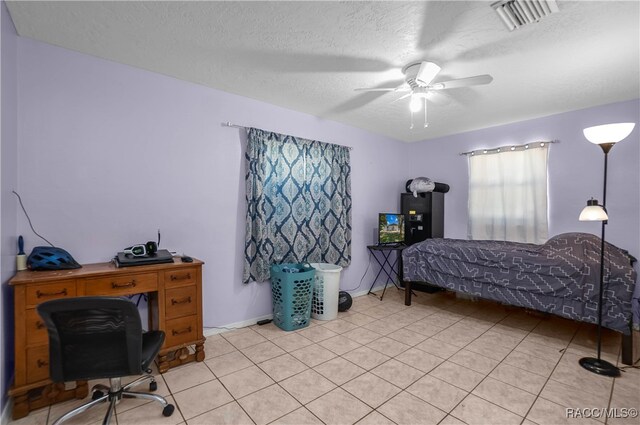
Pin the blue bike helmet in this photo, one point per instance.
(51, 258)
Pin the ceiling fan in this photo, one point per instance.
(419, 78)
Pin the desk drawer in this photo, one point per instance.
(37, 294)
(122, 285)
(181, 277)
(180, 302)
(36, 330)
(37, 363)
(181, 331)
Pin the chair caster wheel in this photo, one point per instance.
(168, 410)
(153, 386)
(96, 395)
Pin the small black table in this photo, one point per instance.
(386, 266)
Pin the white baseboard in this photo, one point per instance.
(366, 291)
(208, 331)
(214, 330)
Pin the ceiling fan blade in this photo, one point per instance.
(310, 62)
(300, 62)
(440, 24)
(427, 72)
(402, 97)
(463, 82)
(371, 89)
(384, 89)
(439, 98)
(361, 99)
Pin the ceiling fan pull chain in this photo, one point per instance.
(411, 127)
(426, 123)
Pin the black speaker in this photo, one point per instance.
(423, 216)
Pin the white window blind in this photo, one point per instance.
(508, 195)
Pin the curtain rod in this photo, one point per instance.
(229, 124)
(537, 144)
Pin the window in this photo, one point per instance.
(508, 195)
(298, 195)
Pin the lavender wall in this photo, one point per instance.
(8, 181)
(110, 153)
(575, 170)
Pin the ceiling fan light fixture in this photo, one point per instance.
(418, 85)
(517, 13)
(426, 73)
(415, 104)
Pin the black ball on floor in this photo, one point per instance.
(344, 301)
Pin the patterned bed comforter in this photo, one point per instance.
(559, 277)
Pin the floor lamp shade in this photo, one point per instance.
(608, 133)
(593, 212)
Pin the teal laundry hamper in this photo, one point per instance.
(291, 291)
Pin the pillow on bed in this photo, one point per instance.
(588, 242)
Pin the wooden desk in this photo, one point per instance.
(175, 307)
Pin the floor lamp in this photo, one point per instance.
(605, 136)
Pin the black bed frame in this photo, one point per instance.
(627, 340)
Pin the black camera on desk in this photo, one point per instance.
(140, 250)
(142, 254)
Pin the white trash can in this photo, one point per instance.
(326, 289)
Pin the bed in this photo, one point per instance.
(559, 277)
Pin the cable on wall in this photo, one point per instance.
(29, 219)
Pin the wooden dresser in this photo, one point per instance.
(174, 292)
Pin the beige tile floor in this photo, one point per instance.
(444, 360)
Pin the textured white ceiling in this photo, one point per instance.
(309, 56)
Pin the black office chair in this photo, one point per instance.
(96, 338)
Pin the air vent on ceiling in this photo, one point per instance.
(516, 13)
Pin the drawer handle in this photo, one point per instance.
(185, 300)
(182, 277)
(50, 294)
(181, 331)
(42, 363)
(131, 284)
(39, 325)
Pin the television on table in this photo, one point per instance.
(390, 228)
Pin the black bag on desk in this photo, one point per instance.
(126, 260)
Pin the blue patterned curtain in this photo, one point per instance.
(298, 203)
